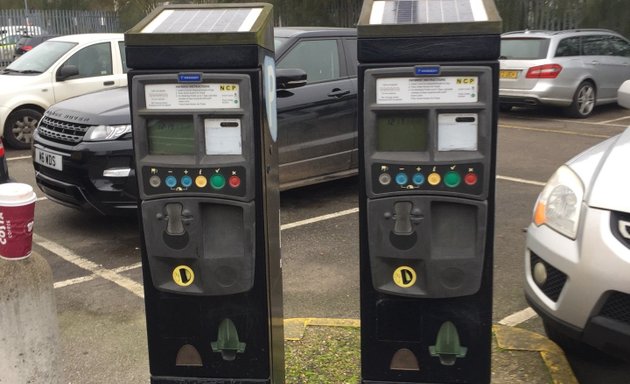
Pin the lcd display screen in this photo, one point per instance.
(402, 133)
(171, 136)
(223, 137)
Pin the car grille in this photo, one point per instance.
(62, 131)
(555, 278)
(617, 307)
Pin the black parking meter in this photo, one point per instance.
(202, 93)
(428, 79)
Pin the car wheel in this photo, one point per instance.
(505, 107)
(583, 100)
(19, 128)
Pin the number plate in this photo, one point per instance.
(509, 74)
(48, 159)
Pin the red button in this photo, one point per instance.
(471, 179)
(235, 181)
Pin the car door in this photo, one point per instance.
(619, 60)
(99, 68)
(595, 58)
(316, 122)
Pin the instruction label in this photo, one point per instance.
(427, 90)
(405, 277)
(192, 96)
(183, 276)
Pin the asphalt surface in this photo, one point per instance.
(98, 282)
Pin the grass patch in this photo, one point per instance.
(324, 355)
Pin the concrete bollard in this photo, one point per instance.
(29, 330)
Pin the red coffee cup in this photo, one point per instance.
(17, 214)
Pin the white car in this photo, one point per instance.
(56, 70)
(577, 258)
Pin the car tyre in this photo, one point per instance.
(583, 101)
(505, 107)
(19, 128)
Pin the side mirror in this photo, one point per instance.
(66, 72)
(290, 78)
(623, 94)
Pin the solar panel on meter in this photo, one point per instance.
(427, 11)
(203, 20)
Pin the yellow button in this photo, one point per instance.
(434, 179)
(201, 181)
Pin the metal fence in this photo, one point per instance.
(14, 22)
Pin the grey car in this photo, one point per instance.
(573, 69)
(577, 258)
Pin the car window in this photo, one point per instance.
(350, 45)
(123, 56)
(318, 58)
(94, 60)
(595, 45)
(524, 49)
(568, 47)
(620, 47)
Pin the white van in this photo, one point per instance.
(55, 70)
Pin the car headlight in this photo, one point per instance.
(560, 202)
(106, 132)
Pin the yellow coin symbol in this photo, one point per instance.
(183, 276)
(405, 277)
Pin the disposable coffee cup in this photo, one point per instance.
(17, 214)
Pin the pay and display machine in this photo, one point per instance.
(428, 79)
(202, 91)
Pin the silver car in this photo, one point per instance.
(574, 69)
(577, 258)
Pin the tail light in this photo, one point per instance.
(546, 71)
(27, 47)
(1, 149)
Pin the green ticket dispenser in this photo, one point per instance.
(202, 92)
(428, 86)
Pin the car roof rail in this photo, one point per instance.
(586, 30)
(527, 31)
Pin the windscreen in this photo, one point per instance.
(40, 58)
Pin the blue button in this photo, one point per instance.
(170, 181)
(187, 181)
(418, 179)
(401, 179)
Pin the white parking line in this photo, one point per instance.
(90, 266)
(571, 133)
(518, 317)
(18, 158)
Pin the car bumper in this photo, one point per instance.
(86, 180)
(543, 93)
(587, 295)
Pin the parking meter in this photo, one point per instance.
(202, 92)
(428, 80)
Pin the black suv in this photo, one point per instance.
(82, 148)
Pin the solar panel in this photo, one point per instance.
(206, 20)
(427, 11)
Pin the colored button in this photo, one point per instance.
(186, 181)
(201, 181)
(452, 179)
(234, 181)
(170, 181)
(471, 179)
(402, 179)
(217, 181)
(155, 181)
(418, 179)
(385, 179)
(435, 179)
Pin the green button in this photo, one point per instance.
(217, 181)
(452, 179)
